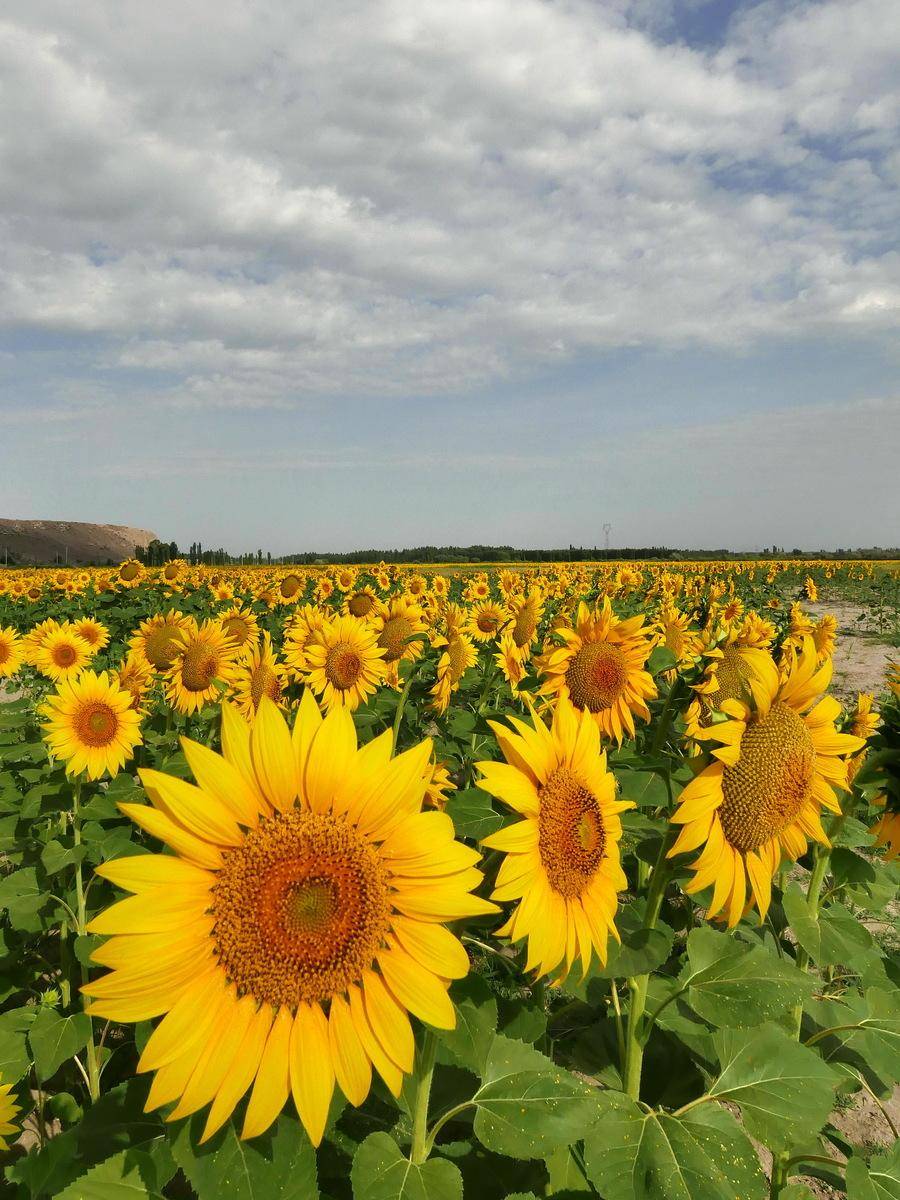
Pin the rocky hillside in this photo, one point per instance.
(38, 543)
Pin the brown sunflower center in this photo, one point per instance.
(525, 625)
(342, 666)
(456, 652)
(300, 909)
(361, 604)
(768, 786)
(487, 622)
(198, 667)
(290, 586)
(130, 571)
(237, 629)
(161, 645)
(596, 676)
(65, 654)
(571, 834)
(732, 676)
(264, 682)
(5, 651)
(170, 571)
(96, 724)
(394, 637)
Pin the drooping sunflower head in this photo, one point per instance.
(561, 867)
(62, 654)
(734, 672)
(825, 636)
(204, 662)
(344, 663)
(298, 924)
(11, 652)
(775, 766)
(291, 588)
(673, 628)
(511, 660)
(9, 1110)
(300, 633)
(457, 657)
(259, 674)
(527, 610)
(600, 668)
(91, 725)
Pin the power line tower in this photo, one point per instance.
(606, 530)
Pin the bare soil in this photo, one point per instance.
(33, 543)
(860, 656)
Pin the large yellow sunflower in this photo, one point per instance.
(8, 1112)
(62, 655)
(527, 612)
(400, 628)
(93, 631)
(344, 664)
(91, 725)
(735, 672)
(205, 659)
(299, 634)
(297, 924)
(486, 620)
(158, 639)
(11, 656)
(774, 770)
(601, 669)
(130, 573)
(562, 859)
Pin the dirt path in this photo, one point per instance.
(860, 657)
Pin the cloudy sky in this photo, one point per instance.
(384, 272)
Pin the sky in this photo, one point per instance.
(299, 276)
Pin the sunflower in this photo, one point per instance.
(62, 655)
(8, 1112)
(11, 652)
(173, 570)
(344, 579)
(94, 633)
(810, 591)
(134, 675)
(562, 859)
(675, 633)
(299, 922)
(457, 657)
(775, 768)
(130, 573)
(344, 665)
(91, 725)
(735, 672)
(510, 659)
(825, 636)
(486, 620)
(291, 588)
(260, 674)
(399, 627)
(886, 832)
(527, 611)
(299, 634)
(158, 639)
(438, 785)
(204, 660)
(601, 669)
(361, 602)
(242, 627)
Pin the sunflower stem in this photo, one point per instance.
(635, 1037)
(423, 1074)
(93, 1064)
(779, 1176)
(401, 704)
(813, 897)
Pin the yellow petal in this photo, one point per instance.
(352, 1067)
(311, 1069)
(273, 756)
(270, 1088)
(417, 989)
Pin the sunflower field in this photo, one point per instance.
(382, 883)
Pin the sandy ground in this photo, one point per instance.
(860, 657)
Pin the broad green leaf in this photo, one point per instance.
(635, 1155)
(381, 1171)
(142, 1171)
(732, 984)
(565, 1176)
(644, 788)
(784, 1090)
(280, 1164)
(23, 897)
(880, 1180)
(641, 950)
(661, 659)
(527, 1107)
(472, 814)
(55, 856)
(14, 1058)
(524, 1022)
(54, 1039)
(867, 1025)
(833, 936)
(476, 1024)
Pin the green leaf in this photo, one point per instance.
(833, 936)
(880, 1180)
(641, 950)
(472, 814)
(142, 1171)
(382, 1172)
(476, 1024)
(635, 1155)
(54, 1039)
(661, 659)
(784, 1090)
(23, 897)
(55, 856)
(280, 1164)
(644, 788)
(14, 1059)
(867, 1025)
(527, 1106)
(731, 984)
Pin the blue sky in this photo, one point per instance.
(393, 273)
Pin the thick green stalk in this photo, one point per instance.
(813, 896)
(401, 704)
(93, 1064)
(779, 1175)
(424, 1071)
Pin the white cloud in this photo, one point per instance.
(393, 196)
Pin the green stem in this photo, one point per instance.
(779, 1175)
(424, 1072)
(665, 719)
(636, 1033)
(93, 1064)
(442, 1121)
(813, 896)
(401, 704)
